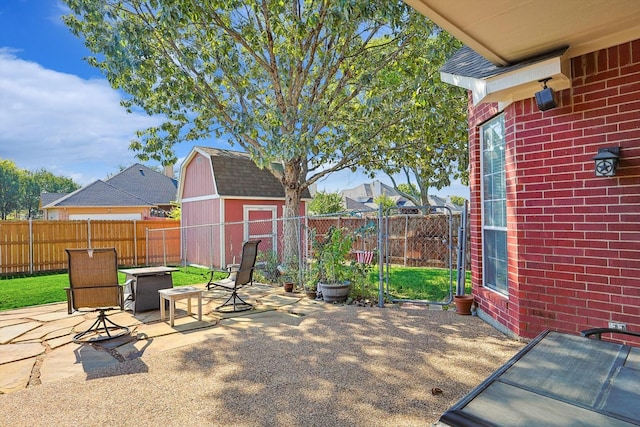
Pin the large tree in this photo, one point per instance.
(33, 184)
(326, 203)
(9, 188)
(428, 146)
(281, 79)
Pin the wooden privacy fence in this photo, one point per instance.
(38, 246)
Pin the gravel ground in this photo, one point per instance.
(345, 367)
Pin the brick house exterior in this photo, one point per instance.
(572, 239)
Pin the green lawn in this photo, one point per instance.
(44, 289)
(419, 283)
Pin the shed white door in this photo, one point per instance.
(260, 224)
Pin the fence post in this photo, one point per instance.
(146, 241)
(135, 242)
(380, 258)
(406, 238)
(164, 247)
(89, 233)
(30, 246)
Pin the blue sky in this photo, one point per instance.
(60, 114)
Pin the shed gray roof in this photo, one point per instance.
(468, 63)
(236, 175)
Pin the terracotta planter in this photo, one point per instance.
(288, 286)
(334, 292)
(463, 304)
(310, 293)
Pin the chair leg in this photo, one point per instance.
(101, 325)
(236, 306)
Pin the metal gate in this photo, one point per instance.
(420, 254)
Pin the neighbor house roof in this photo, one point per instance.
(236, 175)
(136, 185)
(146, 183)
(364, 194)
(99, 193)
(47, 198)
(354, 205)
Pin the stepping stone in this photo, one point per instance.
(15, 352)
(9, 333)
(15, 375)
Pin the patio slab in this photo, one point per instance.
(36, 343)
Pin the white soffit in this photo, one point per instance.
(515, 85)
(510, 31)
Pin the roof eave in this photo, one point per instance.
(523, 83)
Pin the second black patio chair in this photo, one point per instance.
(237, 278)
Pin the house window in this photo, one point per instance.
(494, 206)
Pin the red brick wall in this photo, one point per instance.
(574, 239)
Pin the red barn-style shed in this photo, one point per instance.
(226, 200)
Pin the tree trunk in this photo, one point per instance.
(291, 226)
(424, 198)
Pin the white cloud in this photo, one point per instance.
(62, 123)
(76, 128)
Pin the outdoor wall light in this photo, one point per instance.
(606, 161)
(545, 98)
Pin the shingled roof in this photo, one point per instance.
(146, 183)
(136, 185)
(99, 193)
(236, 175)
(466, 62)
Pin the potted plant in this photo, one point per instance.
(289, 274)
(332, 268)
(311, 289)
(462, 300)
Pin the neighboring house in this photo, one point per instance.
(365, 195)
(352, 205)
(553, 246)
(223, 186)
(138, 192)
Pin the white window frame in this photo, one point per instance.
(494, 201)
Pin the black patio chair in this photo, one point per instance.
(237, 278)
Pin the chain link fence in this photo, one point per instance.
(418, 251)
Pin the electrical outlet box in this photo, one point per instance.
(618, 325)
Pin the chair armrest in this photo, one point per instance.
(208, 276)
(597, 332)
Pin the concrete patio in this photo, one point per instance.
(291, 361)
(36, 342)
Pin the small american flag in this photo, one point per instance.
(364, 257)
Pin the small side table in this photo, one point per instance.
(174, 294)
